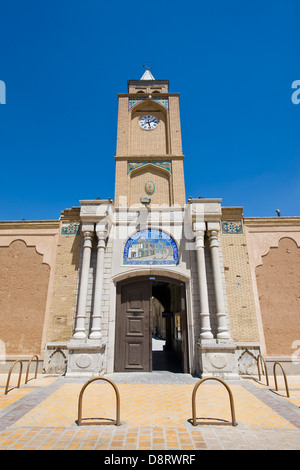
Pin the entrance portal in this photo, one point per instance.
(151, 332)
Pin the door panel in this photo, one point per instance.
(134, 356)
(185, 354)
(133, 328)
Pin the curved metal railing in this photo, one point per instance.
(258, 359)
(117, 421)
(284, 375)
(28, 367)
(9, 375)
(233, 419)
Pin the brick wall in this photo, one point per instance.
(163, 143)
(239, 288)
(161, 180)
(143, 142)
(65, 279)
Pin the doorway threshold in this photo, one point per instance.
(155, 377)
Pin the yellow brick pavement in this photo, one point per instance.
(153, 416)
(152, 405)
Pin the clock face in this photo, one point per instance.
(148, 122)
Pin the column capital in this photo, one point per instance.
(87, 228)
(213, 234)
(199, 227)
(101, 234)
(87, 239)
(101, 226)
(213, 226)
(88, 234)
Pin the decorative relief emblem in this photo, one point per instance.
(149, 187)
(232, 226)
(70, 229)
(83, 361)
(150, 246)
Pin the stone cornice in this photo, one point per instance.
(29, 225)
(96, 210)
(271, 221)
(147, 95)
(164, 157)
(202, 209)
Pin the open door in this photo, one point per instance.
(135, 325)
(133, 350)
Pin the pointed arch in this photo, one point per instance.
(160, 180)
(151, 246)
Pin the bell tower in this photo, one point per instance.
(149, 159)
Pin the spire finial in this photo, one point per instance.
(147, 74)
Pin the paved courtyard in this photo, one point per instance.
(155, 413)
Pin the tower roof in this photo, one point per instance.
(145, 80)
(147, 75)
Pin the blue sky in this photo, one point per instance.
(233, 62)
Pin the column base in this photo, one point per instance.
(96, 335)
(218, 359)
(85, 358)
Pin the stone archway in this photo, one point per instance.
(134, 322)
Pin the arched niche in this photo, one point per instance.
(278, 285)
(150, 180)
(24, 279)
(151, 247)
(149, 142)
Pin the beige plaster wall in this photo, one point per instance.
(274, 256)
(27, 258)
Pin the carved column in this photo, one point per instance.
(199, 229)
(213, 231)
(83, 288)
(96, 317)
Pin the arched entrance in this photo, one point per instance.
(151, 325)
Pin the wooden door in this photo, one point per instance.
(133, 350)
(184, 344)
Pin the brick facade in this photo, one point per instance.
(232, 267)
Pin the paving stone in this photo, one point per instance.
(155, 415)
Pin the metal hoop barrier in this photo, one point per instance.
(233, 419)
(285, 379)
(9, 375)
(28, 367)
(117, 421)
(265, 366)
